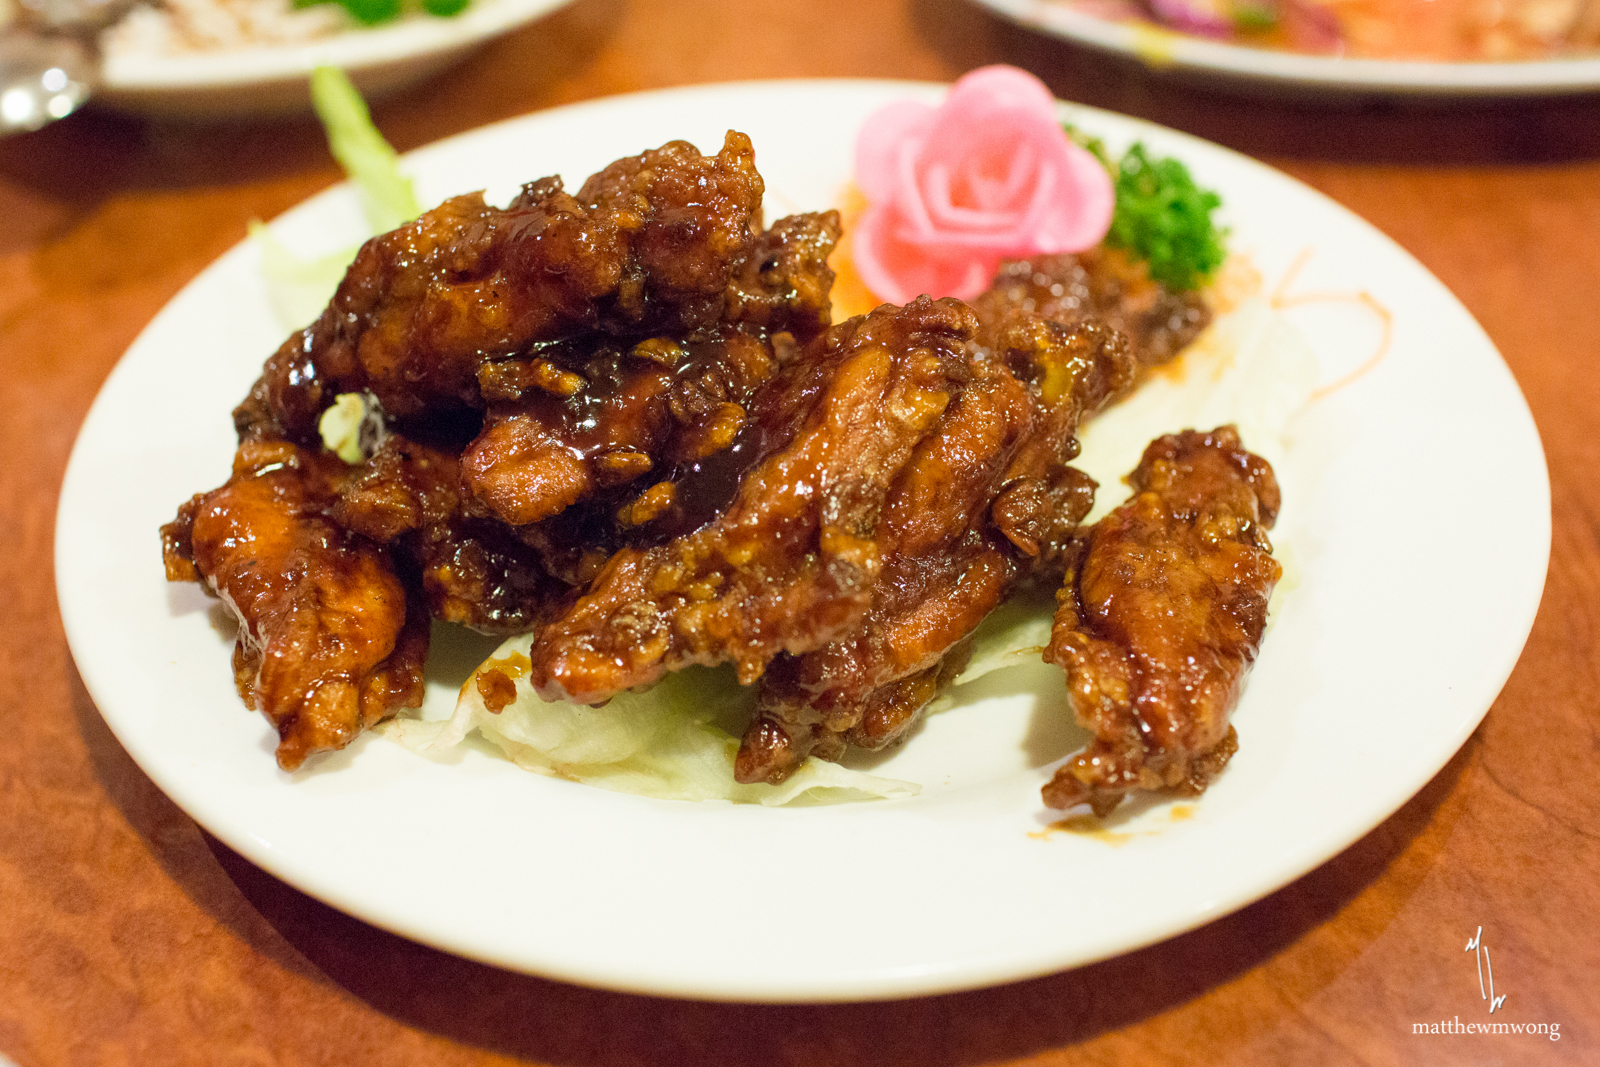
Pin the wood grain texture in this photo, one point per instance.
(128, 936)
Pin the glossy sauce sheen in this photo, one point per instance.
(1161, 617)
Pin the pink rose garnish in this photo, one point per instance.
(988, 175)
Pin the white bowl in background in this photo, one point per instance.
(275, 79)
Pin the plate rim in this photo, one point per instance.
(1289, 70)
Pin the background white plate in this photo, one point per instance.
(1161, 50)
(1412, 606)
(276, 78)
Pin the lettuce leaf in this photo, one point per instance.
(298, 288)
(673, 740)
(1014, 634)
(366, 157)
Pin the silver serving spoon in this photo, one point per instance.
(42, 79)
(48, 60)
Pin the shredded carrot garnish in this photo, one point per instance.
(1282, 300)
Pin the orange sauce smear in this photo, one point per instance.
(513, 665)
(1091, 827)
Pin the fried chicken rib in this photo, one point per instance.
(471, 570)
(650, 245)
(959, 530)
(327, 644)
(621, 419)
(1102, 285)
(791, 560)
(557, 356)
(1161, 618)
(333, 571)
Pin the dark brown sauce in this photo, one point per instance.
(706, 486)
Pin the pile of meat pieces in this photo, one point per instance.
(622, 419)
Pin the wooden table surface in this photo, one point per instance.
(129, 936)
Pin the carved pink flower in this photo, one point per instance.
(988, 175)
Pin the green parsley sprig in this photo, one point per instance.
(1161, 215)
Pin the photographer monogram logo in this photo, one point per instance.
(1496, 1002)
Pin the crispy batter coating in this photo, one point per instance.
(575, 420)
(620, 418)
(791, 560)
(1161, 618)
(571, 361)
(471, 570)
(328, 643)
(686, 217)
(422, 305)
(1073, 372)
(334, 571)
(1103, 285)
(629, 412)
(781, 281)
(962, 525)
(647, 245)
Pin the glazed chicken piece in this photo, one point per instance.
(1103, 285)
(960, 529)
(630, 412)
(573, 419)
(1161, 618)
(781, 280)
(328, 643)
(686, 218)
(1072, 372)
(334, 570)
(471, 570)
(785, 558)
(647, 246)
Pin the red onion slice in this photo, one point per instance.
(1192, 16)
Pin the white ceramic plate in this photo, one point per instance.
(1381, 661)
(1164, 50)
(276, 78)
